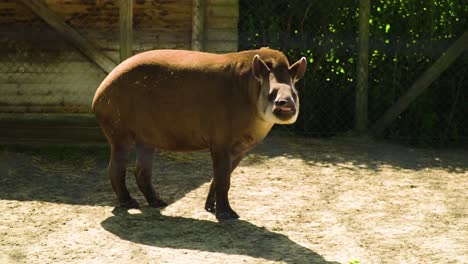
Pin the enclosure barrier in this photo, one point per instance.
(366, 60)
(364, 56)
(56, 53)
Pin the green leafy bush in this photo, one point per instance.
(406, 37)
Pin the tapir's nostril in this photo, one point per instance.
(281, 102)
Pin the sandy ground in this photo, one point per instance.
(300, 201)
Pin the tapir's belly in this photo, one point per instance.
(176, 140)
(175, 130)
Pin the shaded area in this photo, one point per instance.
(231, 237)
(355, 153)
(78, 174)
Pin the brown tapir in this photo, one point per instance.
(185, 101)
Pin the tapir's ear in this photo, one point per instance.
(298, 69)
(259, 68)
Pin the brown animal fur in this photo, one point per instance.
(185, 101)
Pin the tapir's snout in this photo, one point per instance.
(284, 108)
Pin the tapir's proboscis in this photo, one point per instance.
(176, 100)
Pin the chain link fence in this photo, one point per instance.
(162, 25)
(405, 39)
(42, 72)
(328, 40)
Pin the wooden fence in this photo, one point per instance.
(55, 53)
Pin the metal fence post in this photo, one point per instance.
(360, 114)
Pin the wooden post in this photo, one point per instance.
(360, 114)
(95, 55)
(126, 28)
(198, 24)
(421, 84)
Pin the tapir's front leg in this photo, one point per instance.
(222, 168)
(210, 199)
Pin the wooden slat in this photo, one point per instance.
(169, 45)
(28, 120)
(49, 128)
(50, 134)
(233, 3)
(46, 100)
(221, 22)
(421, 84)
(105, 14)
(360, 112)
(13, 12)
(198, 24)
(221, 46)
(156, 37)
(221, 34)
(36, 90)
(25, 65)
(157, 24)
(221, 11)
(126, 29)
(45, 109)
(94, 76)
(70, 34)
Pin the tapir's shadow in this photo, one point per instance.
(232, 237)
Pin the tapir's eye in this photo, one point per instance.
(294, 96)
(269, 64)
(272, 95)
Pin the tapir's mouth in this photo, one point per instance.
(284, 112)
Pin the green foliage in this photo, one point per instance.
(326, 39)
(406, 37)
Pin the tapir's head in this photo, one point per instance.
(279, 101)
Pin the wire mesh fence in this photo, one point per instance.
(405, 39)
(42, 72)
(328, 40)
(162, 25)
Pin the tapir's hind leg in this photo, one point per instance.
(117, 171)
(143, 172)
(210, 199)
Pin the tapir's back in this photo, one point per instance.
(149, 69)
(177, 98)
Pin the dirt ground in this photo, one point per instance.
(300, 201)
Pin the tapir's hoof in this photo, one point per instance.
(210, 207)
(130, 204)
(228, 215)
(157, 204)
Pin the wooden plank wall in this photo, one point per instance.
(221, 19)
(42, 73)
